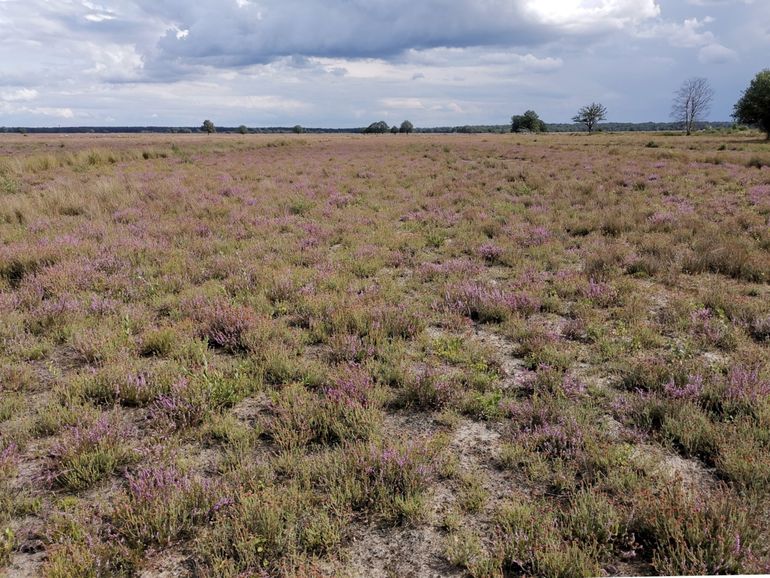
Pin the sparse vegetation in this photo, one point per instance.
(302, 356)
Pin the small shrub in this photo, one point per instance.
(159, 343)
(487, 304)
(88, 454)
(162, 505)
(702, 535)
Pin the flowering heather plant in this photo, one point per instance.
(225, 326)
(88, 453)
(600, 292)
(162, 505)
(563, 439)
(490, 252)
(393, 322)
(9, 459)
(186, 405)
(352, 387)
(350, 348)
(427, 390)
(448, 268)
(487, 304)
(745, 385)
(391, 475)
(759, 196)
(691, 389)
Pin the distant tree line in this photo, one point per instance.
(459, 129)
(691, 104)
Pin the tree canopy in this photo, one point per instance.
(528, 121)
(406, 127)
(208, 126)
(591, 115)
(754, 106)
(379, 127)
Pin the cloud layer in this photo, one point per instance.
(343, 62)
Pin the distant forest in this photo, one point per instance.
(466, 129)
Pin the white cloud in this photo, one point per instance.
(403, 103)
(579, 14)
(688, 34)
(716, 54)
(19, 94)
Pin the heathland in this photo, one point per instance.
(248, 355)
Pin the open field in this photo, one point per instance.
(384, 356)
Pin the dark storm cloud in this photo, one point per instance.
(242, 33)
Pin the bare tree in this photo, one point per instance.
(692, 102)
(591, 115)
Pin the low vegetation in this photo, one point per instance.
(488, 355)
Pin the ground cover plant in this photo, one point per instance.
(500, 355)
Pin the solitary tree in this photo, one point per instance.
(590, 115)
(527, 121)
(754, 106)
(208, 126)
(243, 129)
(406, 127)
(692, 102)
(394, 129)
(379, 127)
(298, 129)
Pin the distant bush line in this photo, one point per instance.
(466, 129)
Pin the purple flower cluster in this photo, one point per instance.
(397, 470)
(151, 484)
(9, 457)
(490, 252)
(760, 196)
(480, 301)
(746, 385)
(600, 292)
(462, 267)
(691, 390)
(351, 389)
(561, 439)
(181, 407)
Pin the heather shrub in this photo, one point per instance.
(162, 505)
(697, 534)
(487, 304)
(391, 477)
(185, 405)
(158, 343)
(729, 255)
(426, 390)
(531, 543)
(267, 531)
(88, 453)
(343, 413)
(225, 326)
(743, 458)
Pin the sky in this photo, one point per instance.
(347, 63)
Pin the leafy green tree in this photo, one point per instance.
(527, 121)
(242, 129)
(379, 127)
(591, 115)
(754, 106)
(208, 127)
(406, 127)
(298, 129)
(394, 129)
